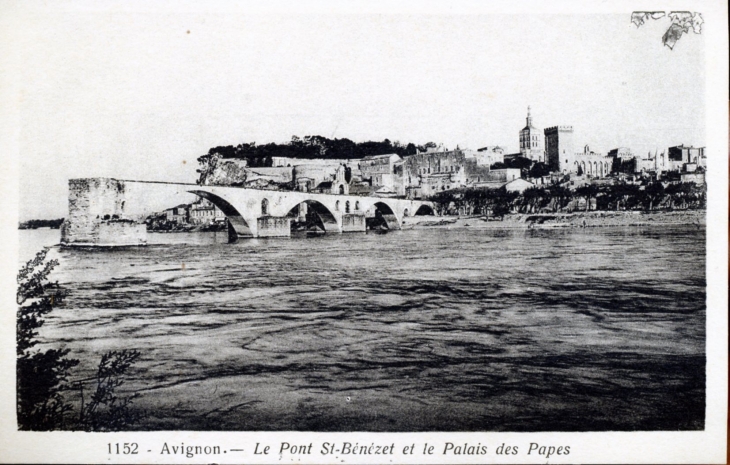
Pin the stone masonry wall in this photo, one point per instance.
(96, 215)
(272, 226)
(353, 222)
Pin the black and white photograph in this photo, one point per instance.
(395, 232)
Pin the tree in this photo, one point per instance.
(588, 191)
(499, 210)
(652, 194)
(539, 170)
(427, 145)
(41, 375)
(562, 194)
(532, 199)
(521, 163)
(684, 195)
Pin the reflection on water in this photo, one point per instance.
(451, 330)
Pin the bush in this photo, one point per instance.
(107, 411)
(42, 376)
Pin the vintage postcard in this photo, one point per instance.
(356, 232)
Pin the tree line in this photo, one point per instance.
(310, 147)
(618, 197)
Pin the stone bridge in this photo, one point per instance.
(264, 213)
(105, 211)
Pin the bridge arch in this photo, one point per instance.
(235, 220)
(327, 219)
(425, 209)
(387, 213)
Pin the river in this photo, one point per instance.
(423, 330)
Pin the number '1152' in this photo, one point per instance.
(126, 449)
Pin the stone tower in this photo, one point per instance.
(531, 145)
(559, 150)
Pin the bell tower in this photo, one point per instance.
(531, 145)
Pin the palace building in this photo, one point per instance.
(562, 157)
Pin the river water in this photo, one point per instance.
(422, 330)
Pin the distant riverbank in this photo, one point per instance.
(590, 219)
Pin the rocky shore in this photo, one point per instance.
(590, 219)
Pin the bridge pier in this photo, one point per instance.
(97, 217)
(353, 222)
(274, 226)
(232, 234)
(391, 221)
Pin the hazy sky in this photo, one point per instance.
(140, 95)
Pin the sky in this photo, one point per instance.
(140, 94)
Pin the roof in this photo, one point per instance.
(488, 184)
(490, 148)
(377, 157)
(518, 185)
(360, 188)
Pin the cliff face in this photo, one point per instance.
(224, 173)
(234, 172)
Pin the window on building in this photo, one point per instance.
(347, 207)
(265, 207)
